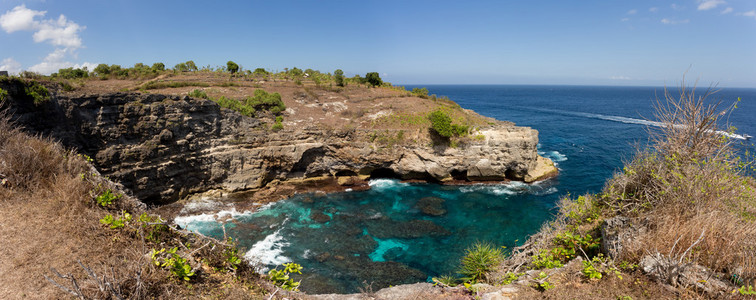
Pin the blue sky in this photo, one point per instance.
(606, 42)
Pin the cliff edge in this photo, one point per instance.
(164, 145)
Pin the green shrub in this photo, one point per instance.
(38, 92)
(177, 265)
(441, 123)
(546, 259)
(153, 85)
(198, 94)
(102, 70)
(115, 223)
(479, 260)
(590, 271)
(338, 76)
(374, 79)
(445, 280)
(155, 230)
(747, 291)
(71, 73)
(281, 277)
(511, 277)
(3, 95)
(232, 67)
(260, 71)
(158, 66)
(107, 198)
(420, 92)
(277, 126)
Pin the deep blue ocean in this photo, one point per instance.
(403, 233)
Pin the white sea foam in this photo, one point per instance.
(555, 156)
(188, 221)
(269, 251)
(510, 188)
(386, 183)
(627, 120)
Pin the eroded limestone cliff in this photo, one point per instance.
(166, 147)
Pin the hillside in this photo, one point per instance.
(165, 139)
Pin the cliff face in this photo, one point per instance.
(166, 147)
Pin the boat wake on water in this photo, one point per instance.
(627, 120)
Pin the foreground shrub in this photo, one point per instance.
(37, 92)
(479, 261)
(684, 198)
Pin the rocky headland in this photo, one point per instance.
(164, 145)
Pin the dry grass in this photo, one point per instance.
(686, 192)
(689, 190)
(50, 221)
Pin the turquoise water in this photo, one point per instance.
(392, 234)
(404, 233)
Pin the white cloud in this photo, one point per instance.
(674, 22)
(11, 65)
(58, 32)
(726, 10)
(57, 60)
(20, 18)
(709, 4)
(625, 19)
(620, 78)
(675, 6)
(61, 33)
(751, 14)
(653, 9)
(632, 11)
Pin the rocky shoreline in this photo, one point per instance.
(165, 148)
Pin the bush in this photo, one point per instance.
(107, 198)
(281, 277)
(198, 94)
(374, 79)
(71, 73)
(102, 70)
(262, 100)
(420, 92)
(441, 123)
(3, 95)
(260, 71)
(338, 76)
(37, 92)
(479, 261)
(232, 67)
(191, 66)
(158, 66)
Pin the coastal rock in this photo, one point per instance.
(432, 206)
(387, 228)
(164, 148)
(677, 272)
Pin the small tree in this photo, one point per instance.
(232, 67)
(373, 79)
(338, 76)
(260, 71)
(102, 69)
(441, 123)
(158, 66)
(191, 66)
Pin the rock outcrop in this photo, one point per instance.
(166, 147)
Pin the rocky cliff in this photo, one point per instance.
(166, 147)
